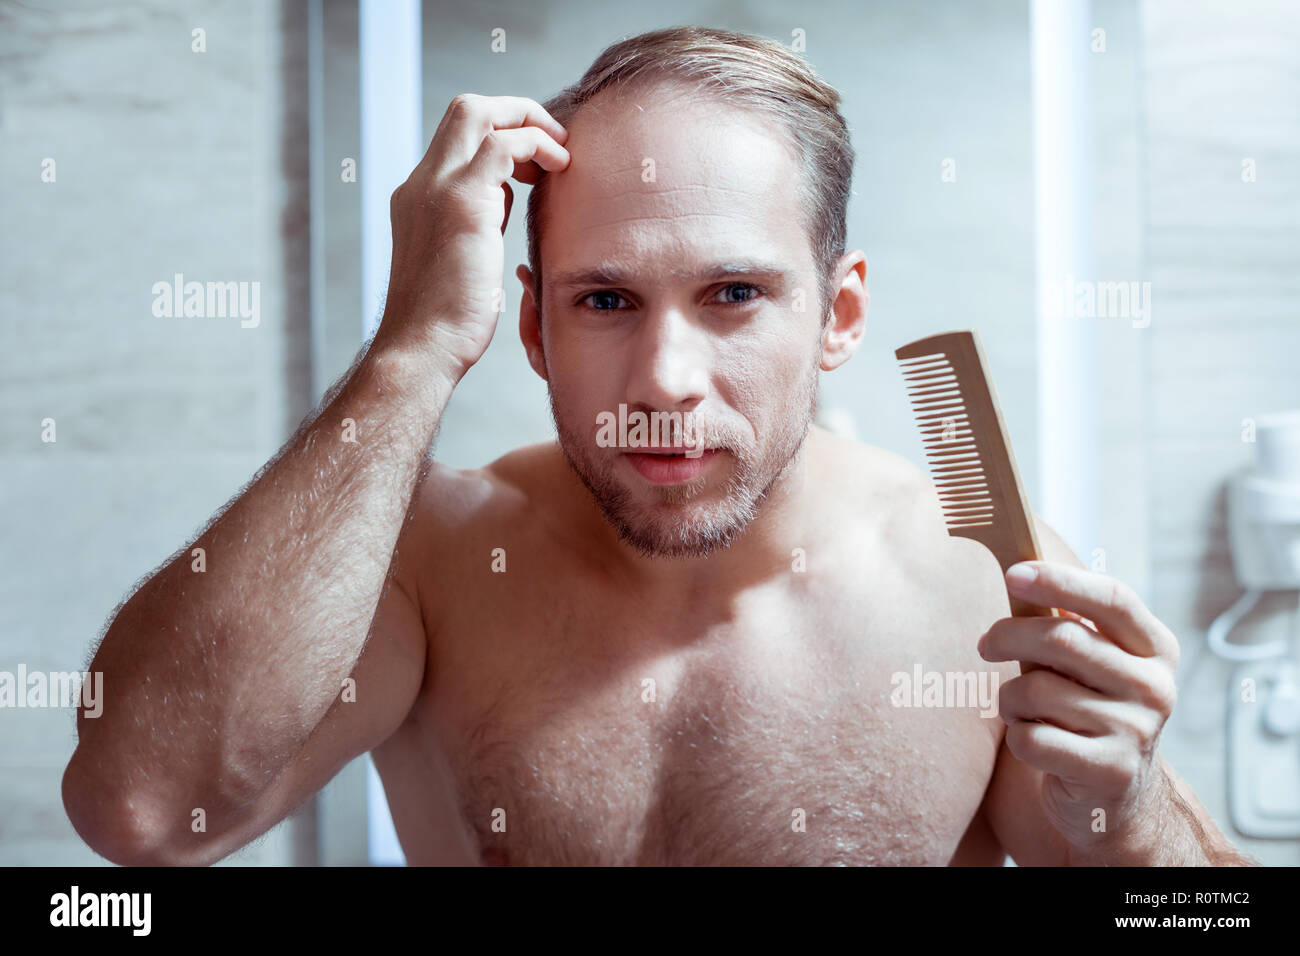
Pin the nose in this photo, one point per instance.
(670, 362)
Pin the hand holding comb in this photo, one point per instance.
(969, 452)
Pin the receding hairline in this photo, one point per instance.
(747, 72)
(658, 83)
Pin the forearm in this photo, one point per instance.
(1191, 836)
(1175, 831)
(215, 678)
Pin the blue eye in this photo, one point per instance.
(742, 285)
(603, 301)
(603, 295)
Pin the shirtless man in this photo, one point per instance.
(582, 654)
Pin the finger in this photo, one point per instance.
(1109, 602)
(1065, 646)
(1067, 755)
(502, 149)
(1055, 699)
(470, 117)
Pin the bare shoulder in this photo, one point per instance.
(899, 499)
(888, 489)
(457, 504)
(905, 495)
(458, 512)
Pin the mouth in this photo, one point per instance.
(670, 450)
(671, 466)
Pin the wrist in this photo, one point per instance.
(1145, 836)
(406, 364)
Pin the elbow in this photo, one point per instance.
(125, 829)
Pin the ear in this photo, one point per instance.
(530, 330)
(848, 320)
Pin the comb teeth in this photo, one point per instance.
(949, 442)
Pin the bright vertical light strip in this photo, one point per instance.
(392, 142)
(392, 134)
(1063, 195)
(316, 133)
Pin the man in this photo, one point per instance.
(594, 651)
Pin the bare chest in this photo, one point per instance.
(574, 737)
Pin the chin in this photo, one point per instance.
(659, 542)
(691, 519)
(680, 521)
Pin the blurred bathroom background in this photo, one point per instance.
(1149, 147)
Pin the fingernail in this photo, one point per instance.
(1021, 574)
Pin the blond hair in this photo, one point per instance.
(752, 72)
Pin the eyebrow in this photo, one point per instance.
(606, 274)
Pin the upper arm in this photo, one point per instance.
(389, 674)
(1012, 804)
(386, 682)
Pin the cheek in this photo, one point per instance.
(581, 387)
(767, 371)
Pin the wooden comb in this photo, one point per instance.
(969, 452)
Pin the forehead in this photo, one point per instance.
(661, 179)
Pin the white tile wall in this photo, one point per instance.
(1222, 84)
(167, 161)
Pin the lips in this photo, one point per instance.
(669, 450)
(666, 466)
